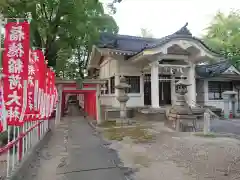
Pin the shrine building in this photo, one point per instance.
(153, 66)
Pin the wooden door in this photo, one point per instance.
(164, 90)
(147, 89)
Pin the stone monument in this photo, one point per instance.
(229, 98)
(122, 97)
(180, 114)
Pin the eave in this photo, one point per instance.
(85, 81)
(97, 53)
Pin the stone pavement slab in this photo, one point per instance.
(103, 174)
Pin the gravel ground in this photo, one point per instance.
(3, 166)
(178, 156)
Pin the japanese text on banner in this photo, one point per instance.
(51, 93)
(47, 93)
(41, 73)
(32, 78)
(15, 67)
(36, 60)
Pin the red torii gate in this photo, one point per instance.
(91, 92)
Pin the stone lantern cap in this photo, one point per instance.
(123, 84)
(183, 82)
(229, 93)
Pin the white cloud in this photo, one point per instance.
(164, 17)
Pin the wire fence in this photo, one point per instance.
(21, 141)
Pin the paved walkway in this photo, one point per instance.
(226, 126)
(82, 157)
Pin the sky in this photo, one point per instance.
(163, 17)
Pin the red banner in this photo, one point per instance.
(40, 76)
(44, 92)
(55, 92)
(47, 93)
(35, 58)
(33, 75)
(15, 67)
(51, 84)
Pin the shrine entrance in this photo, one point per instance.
(164, 89)
(87, 97)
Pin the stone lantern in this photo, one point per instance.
(122, 97)
(180, 112)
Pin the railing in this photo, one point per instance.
(21, 141)
(212, 114)
(208, 116)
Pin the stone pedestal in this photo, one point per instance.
(229, 98)
(206, 128)
(122, 97)
(180, 115)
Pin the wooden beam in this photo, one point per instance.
(85, 81)
(74, 88)
(174, 66)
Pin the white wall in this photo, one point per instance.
(80, 98)
(216, 103)
(108, 68)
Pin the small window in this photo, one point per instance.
(216, 88)
(104, 88)
(134, 82)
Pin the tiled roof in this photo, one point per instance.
(138, 44)
(125, 42)
(212, 70)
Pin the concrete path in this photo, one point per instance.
(82, 156)
(226, 126)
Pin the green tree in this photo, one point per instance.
(223, 35)
(112, 6)
(63, 26)
(146, 33)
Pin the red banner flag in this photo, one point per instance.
(51, 84)
(55, 92)
(47, 93)
(41, 82)
(33, 74)
(15, 67)
(43, 97)
(35, 57)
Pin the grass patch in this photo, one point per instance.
(107, 124)
(137, 134)
(209, 135)
(142, 160)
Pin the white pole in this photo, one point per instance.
(18, 133)
(14, 147)
(24, 139)
(8, 153)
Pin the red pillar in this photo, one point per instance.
(86, 103)
(94, 106)
(90, 104)
(63, 103)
